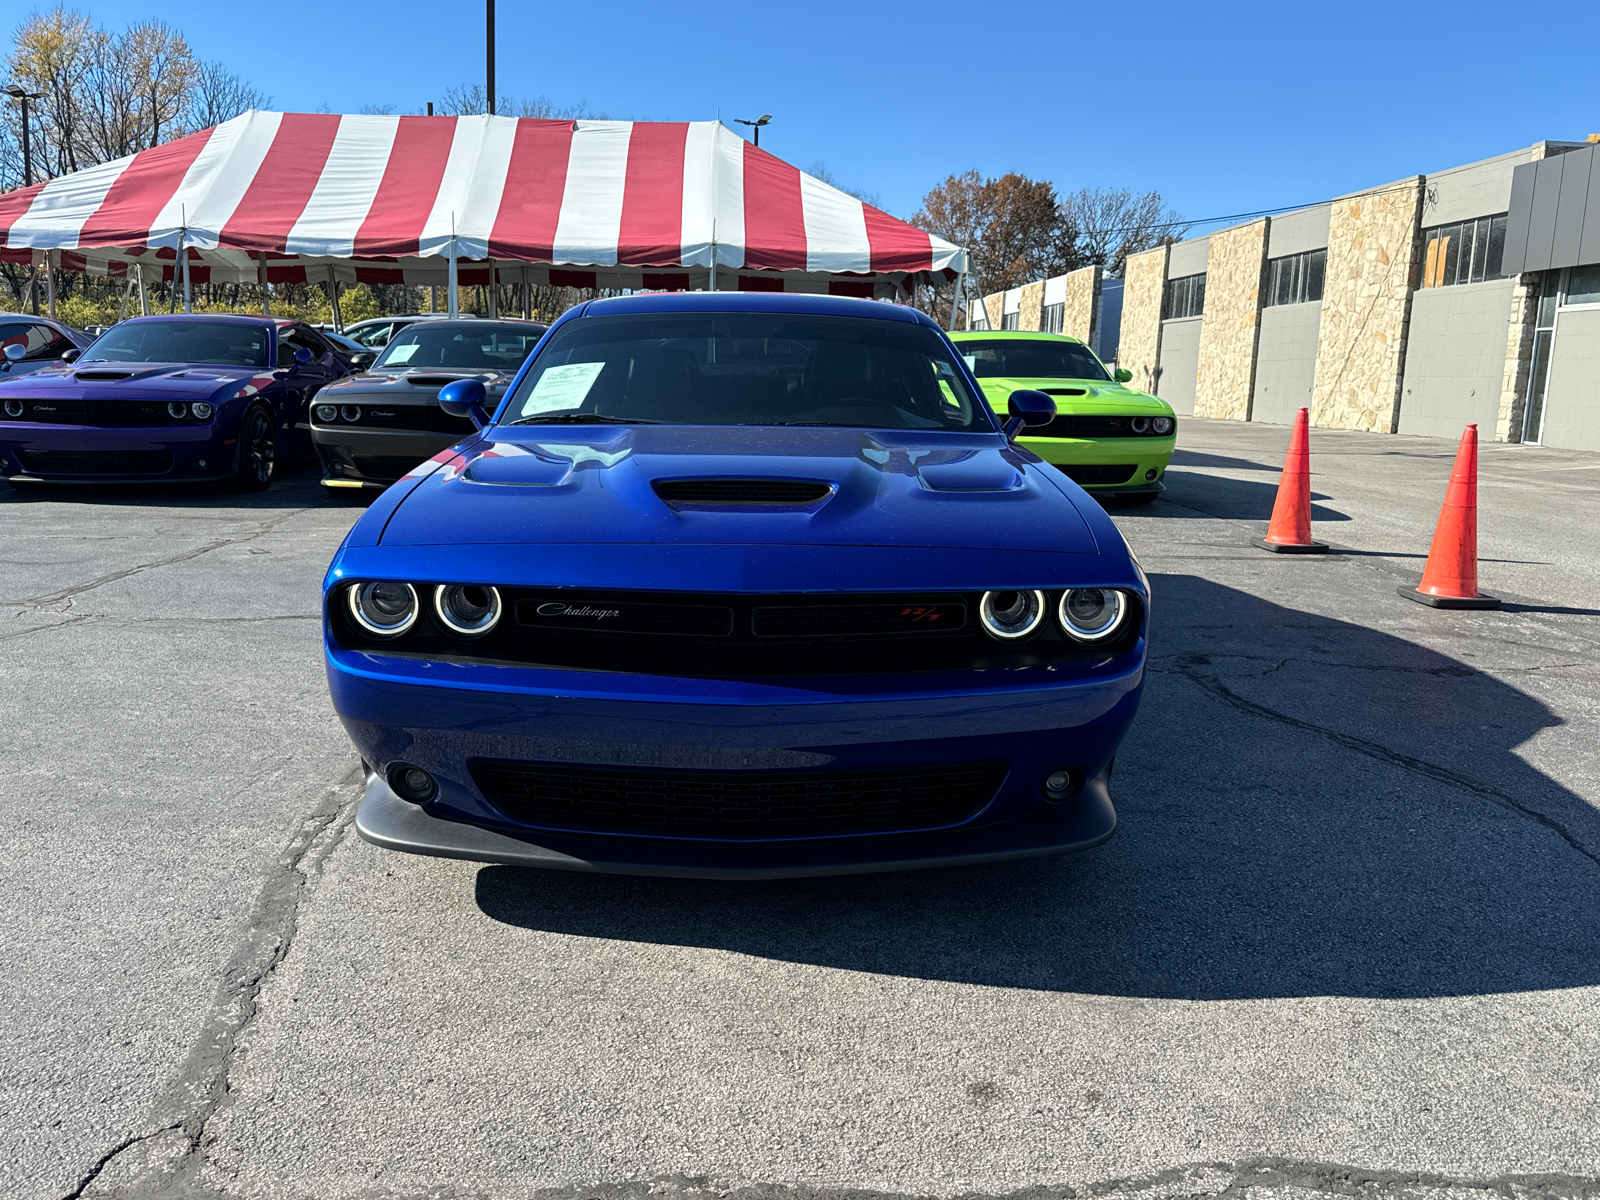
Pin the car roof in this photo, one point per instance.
(759, 302)
(235, 318)
(1014, 335)
(476, 321)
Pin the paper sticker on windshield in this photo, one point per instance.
(562, 387)
(401, 354)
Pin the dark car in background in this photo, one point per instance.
(371, 429)
(41, 341)
(375, 332)
(159, 399)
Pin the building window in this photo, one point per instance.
(1052, 318)
(1544, 337)
(1295, 278)
(1185, 297)
(1009, 320)
(1469, 252)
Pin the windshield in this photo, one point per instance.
(1020, 359)
(478, 347)
(224, 343)
(747, 369)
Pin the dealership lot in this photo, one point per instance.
(1351, 917)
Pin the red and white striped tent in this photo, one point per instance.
(292, 197)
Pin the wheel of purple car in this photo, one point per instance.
(258, 451)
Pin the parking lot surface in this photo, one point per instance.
(1346, 939)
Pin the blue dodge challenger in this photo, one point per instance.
(737, 585)
(159, 399)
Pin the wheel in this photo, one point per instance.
(258, 451)
(1137, 497)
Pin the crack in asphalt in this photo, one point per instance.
(80, 588)
(1383, 754)
(202, 1085)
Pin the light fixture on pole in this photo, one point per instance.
(756, 124)
(17, 92)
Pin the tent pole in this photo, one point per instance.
(261, 282)
(454, 308)
(144, 299)
(50, 281)
(333, 299)
(183, 258)
(527, 297)
(494, 291)
(955, 297)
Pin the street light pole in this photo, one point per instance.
(489, 24)
(18, 92)
(755, 125)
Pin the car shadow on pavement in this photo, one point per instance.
(297, 486)
(1197, 458)
(1232, 499)
(1307, 807)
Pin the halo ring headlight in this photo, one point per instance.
(1161, 425)
(467, 609)
(1140, 424)
(351, 412)
(384, 609)
(1091, 614)
(200, 409)
(1010, 616)
(177, 409)
(13, 408)
(327, 412)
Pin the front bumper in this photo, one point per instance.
(195, 453)
(443, 716)
(1142, 454)
(354, 457)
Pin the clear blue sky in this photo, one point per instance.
(1220, 107)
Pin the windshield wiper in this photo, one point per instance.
(581, 419)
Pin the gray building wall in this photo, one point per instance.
(1286, 356)
(1180, 362)
(1189, 258)
(1572, 401)
(1297, 232)
(1478, 189)
(1455, 359)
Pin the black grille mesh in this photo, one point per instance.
(858, 620)
(756, 492)
(725, 805)
(95, 462)
(1096, 473)
(1092, 426)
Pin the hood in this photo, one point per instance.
(414, 384)
(1076, 395)
(143, 381)
(698, 485)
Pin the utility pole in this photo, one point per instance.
(17, 92)
(489, 26)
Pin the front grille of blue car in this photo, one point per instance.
(100, 413)
(737, 806)
(721, 636)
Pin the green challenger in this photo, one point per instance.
(1107, 438)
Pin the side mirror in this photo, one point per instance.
(363, 360)
(1122, 375)
(16, 352)
(464, 398)
(302, 356)
(1028, 407)
(71, 355)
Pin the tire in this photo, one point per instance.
(258, 451)
(1138, 497)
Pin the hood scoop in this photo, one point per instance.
(513, 466)
(980, 473)
(1065, 391)
(102, 376)
(436, 380)
(742, 493)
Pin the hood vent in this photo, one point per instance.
(435, 380)
(1065, 391)
(742, 493)
(104, 376)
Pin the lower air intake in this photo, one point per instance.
(724, 806)
(755, 493)
(95, 462)
(1090, 475)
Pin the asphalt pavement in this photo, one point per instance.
(1345, 941)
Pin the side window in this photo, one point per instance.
(299, 337)
(39, 341)
(374, 335)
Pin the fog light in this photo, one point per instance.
(199, 462)
(327, 412)
(411, 782)
(1062, 784)
(200, 409)
(1150, 475)
(13, 408)
(351, 412)
(177, 409)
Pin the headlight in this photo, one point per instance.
(200, 409)
(384, 609)
(327, 412)
(1091, 614)
(13, 408)
(177, 409)
(1161, 425)
(466, 608)
(351, 412)
(1140, 424)
(1011, 615)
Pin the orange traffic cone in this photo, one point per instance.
(1290, 530)
(1450, 580)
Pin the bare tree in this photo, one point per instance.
(156, 55)
(462, 101)
(819, 170)
(220, 95)
(1112, 224)
(51, 54)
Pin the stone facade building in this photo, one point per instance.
(1417, 306)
